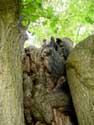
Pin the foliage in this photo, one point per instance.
(60, 18)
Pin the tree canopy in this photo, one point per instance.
(60, 18)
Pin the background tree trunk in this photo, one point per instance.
(11, 96)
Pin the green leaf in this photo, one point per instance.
(89, 20)
(34, 18)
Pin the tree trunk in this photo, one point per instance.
(47, 98)
(11, 96)
(80, 74)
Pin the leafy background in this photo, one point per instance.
(59, 18)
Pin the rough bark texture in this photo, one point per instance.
(11, 95)
(80, 73)
(46, 95)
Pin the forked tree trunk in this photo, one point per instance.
(11, 96)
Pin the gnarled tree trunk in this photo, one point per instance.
(11, 96)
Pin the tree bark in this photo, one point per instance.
(11, 95)
(80, 74)
(47, 99)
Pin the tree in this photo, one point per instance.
(80, 70)
(63, 18)
(11, 96)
